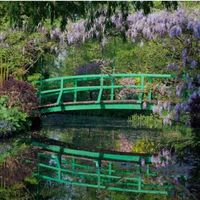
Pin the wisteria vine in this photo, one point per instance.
(178, 30)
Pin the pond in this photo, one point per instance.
(103, 133)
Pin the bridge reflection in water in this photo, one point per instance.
(113, 171)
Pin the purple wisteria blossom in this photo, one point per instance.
(193, 64)
(172, 66)
(91, 68)
(175, 31)
(55, 34)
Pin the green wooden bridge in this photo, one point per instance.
(113, 171)
(100, 91)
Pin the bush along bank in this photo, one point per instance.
(17, 100)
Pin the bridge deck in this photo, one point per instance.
(93, 105)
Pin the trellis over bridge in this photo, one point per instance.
(100, 91)
(113, 171)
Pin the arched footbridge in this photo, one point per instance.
(101, 91)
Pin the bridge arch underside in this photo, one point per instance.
(104, 105)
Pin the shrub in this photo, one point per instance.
(11, 119)
(20, 94)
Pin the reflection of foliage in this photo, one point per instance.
(15, 192)
(123, 144)
(13, 170)
(144, 121)
(144, 146)
(50, 190)
(153, 197)
(120, 196)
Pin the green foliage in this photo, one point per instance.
(32, 180)
(34, 77)
(29, 14)
(124, 56)
(21, 52)
(15, 149)
(190, 4)
(152, 197)
(149, 57)
(120, 196)
(33, 13)
(16, 192)
(80, 55)
(12, 163)
(11, 119)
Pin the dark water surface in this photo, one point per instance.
(112, 133)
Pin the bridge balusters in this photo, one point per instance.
(98, 173)
(150, 81)
(101, 89)
(73, 164)
(139, 183)
(53, 91)
(61, 92)
(59, 157)
(141, 94)
(40, 96)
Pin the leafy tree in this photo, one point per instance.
(30, 14)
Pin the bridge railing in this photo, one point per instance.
(99, 87)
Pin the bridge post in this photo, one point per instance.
(40, 89)
(109, 169)
(98, 166)
(73, 164)
(101, 89)
(142, 89)
(75, 90)
(112, 89)
(139, 183)
(61, 92)
(59, 163)
(150, 90)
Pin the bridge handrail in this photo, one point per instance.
(99, 76)
(96, 76)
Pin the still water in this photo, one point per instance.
(116, 134)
